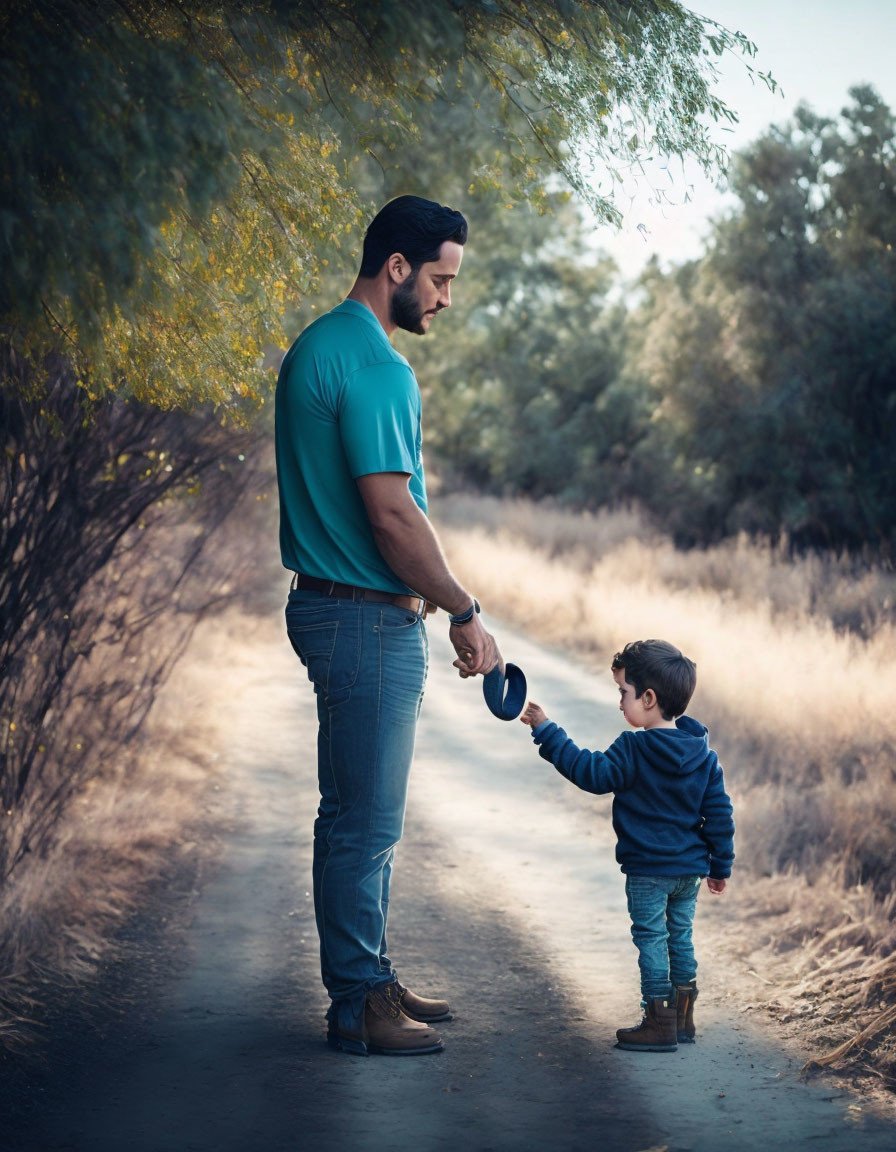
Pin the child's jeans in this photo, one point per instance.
(662, 912)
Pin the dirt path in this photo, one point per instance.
(506, 898)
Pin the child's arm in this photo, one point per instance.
(718, 828)
(598, 772)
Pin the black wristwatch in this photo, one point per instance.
(465, 617)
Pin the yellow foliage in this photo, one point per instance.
(216, 291)
(188, 324)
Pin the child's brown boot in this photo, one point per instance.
(655, 1033)
(686, 995)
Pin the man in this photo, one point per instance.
(368, 567)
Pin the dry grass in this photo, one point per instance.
(809, 690)
(797, 677)
(63, 909)
(127, 830)
(855, 596)
(137, 818)
(818, 956)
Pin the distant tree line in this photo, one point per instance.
(753, 389)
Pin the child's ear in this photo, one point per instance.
(648, 698)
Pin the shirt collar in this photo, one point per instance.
(356, 308)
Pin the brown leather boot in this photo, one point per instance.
(389, 1031)
(655, 1033)
(384, 1029)
(686, 994)
(421, 1007)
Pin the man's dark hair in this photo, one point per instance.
(415, 227)
(661, 666)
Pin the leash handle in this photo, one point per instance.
(505, 692)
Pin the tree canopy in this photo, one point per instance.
(176, 175)
(771, 362)
(751, 390)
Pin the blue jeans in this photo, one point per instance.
(368, 663)
(662, 911)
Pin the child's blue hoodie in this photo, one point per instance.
(671, 813)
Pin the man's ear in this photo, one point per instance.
(398, 268)
(648, 698)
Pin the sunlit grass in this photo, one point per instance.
(792, 675)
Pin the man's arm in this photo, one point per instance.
(409, 545)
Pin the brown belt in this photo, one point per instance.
(352, 592)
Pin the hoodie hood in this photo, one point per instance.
(677, 751)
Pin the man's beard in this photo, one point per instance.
(406, 311)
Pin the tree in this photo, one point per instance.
(772, 360)
(520, 387)
(102, 541)
(174, 173)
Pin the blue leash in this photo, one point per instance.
(505, 692)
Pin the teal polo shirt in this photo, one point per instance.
(347, 405)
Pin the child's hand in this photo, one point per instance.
(533, 715)
(717, 886)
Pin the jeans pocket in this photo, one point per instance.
(394, 618)
(314, 644)
(330, 648)
(403, 651)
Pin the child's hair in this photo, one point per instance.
(661, 666)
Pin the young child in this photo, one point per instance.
(673, 823)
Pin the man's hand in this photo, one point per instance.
(533, 715)
(477, 652)
(716, 886)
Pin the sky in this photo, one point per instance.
(816, 50)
